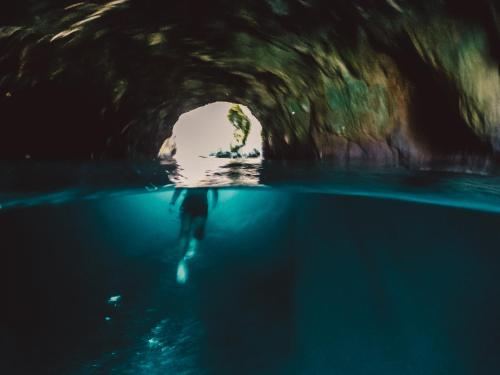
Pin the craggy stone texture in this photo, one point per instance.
(382, 81)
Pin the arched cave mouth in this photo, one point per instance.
(360, 82)
(210, 136)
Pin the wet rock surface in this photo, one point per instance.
(389, 82)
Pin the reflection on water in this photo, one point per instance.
(211, 171)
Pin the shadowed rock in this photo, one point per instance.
(389, 82)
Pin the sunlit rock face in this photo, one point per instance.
(380, 81)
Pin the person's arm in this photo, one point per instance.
(215, 196)
(176, 196)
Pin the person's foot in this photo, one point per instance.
(182, 272)
(193, 244)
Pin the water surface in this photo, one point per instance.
(312, 270)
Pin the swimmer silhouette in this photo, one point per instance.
(193, 214)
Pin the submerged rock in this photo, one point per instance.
(412, 82)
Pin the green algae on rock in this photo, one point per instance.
(241, 124)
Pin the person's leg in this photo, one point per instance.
(191, 248)
(185, 232)
(192, 237)
(199, 224)
(184, 241)
(182, 272)
(198, 232)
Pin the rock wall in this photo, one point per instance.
(379, 81)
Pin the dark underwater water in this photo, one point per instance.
(313, 270)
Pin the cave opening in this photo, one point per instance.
(208, 137)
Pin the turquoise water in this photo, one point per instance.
(311, 270)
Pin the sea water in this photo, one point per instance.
(310, 270)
